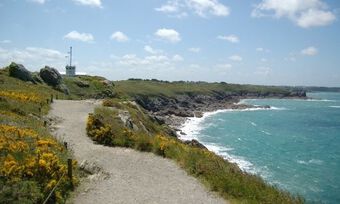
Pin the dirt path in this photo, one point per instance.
(122, 175)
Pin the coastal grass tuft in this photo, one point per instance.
(105, 127)
(31, 160)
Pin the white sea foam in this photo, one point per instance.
(192, 128)
(265, 132)
(334, 106)
(253, 124)
(224, 152)
(311, 161)
(319, 100)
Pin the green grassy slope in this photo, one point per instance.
(31, 160)
(131, 88)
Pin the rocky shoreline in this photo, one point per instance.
(174, 111)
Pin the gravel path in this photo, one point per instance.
(121, 175)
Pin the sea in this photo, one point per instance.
(294, 145)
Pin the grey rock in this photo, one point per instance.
(195, 143)
(20, 72)
(62, 88)
(37, 78)
(81, 83)
(51, 76)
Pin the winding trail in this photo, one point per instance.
(121, 175)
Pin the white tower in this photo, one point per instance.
(70, 70)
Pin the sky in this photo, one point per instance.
(268, 42)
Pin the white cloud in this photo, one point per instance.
(168, 34)
(195, 49)
(170, 7)
(304, 13)
(263, 71)
(177, 58)
(200, 7)
(315, 18)
(38, 1)
(152, 61)
(32, 57)
(93, 3)
(151, 50)
(264, 60)
(194, 66)
(119, 37)
(236, 58)
(310, 51)
(261, 49)
(230, 38)
(5, 41)
(224, 66)
(75, 35)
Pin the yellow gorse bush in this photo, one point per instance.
(24, 155)
(22, 97)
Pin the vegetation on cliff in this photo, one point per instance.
(31, 160)
(107, 126)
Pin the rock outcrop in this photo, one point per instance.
(81, 83)
(20, 72)
(195, 143)
(51, 76)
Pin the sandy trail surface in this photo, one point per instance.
(121, 175)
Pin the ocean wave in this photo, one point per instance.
(253, 124)
(334, 106)
(193, 126)
(224, 152)
(311, 161)
(319, 100)
(265, 132)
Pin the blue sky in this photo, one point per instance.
(271, 42)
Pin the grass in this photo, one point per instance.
(105, 127)
(132, 88)
(31, 160)
(82, 87)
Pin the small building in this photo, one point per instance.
(70, 70)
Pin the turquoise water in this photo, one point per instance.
(295, 145)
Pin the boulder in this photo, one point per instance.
(107, 93)
(20, 72)
(195, 143)
(37, 78)
(82, 84)
(108, 83)
(62, 88)
(51, 76)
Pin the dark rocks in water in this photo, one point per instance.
(195, 143)
(51, 76)
(20, 72)
(198, 114)
(81, 83)
(298, 93)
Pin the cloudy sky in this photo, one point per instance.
(290, 42)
